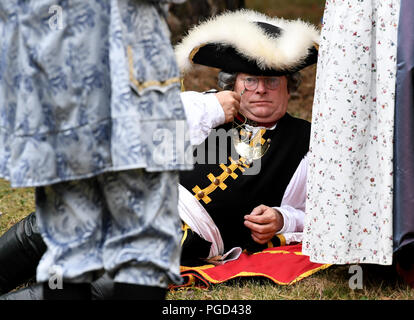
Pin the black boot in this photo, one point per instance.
(101, 289)
(127, 291)
(33, 292)
(21, 248)
(69, 291)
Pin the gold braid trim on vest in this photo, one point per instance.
(203, 194)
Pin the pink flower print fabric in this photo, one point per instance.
(350, 177)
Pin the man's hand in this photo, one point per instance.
(263, 222)
(230, 102)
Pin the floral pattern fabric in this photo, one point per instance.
(350, 181)
(125, 223)
(98, 92)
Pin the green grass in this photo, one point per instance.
(379, 283)
(328, 284)
(15, 204)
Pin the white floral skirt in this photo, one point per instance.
(350, 178)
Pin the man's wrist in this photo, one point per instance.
(282, 219)
(279, 220)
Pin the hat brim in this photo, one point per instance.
(229, 60)
(249, 42)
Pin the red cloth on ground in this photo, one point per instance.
(283, 265)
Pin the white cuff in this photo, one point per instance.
(285, 221)
(289, 215)
(217, 116)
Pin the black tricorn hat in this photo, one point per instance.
(249, 42)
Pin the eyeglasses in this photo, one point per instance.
(271, 83)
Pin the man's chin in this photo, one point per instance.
(261, 114)
(266, 121)
(261, 119)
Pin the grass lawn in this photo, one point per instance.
(15, 204)
(379, 282)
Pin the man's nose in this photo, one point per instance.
(261, 86)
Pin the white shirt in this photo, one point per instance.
(204, 113)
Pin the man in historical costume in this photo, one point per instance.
(248, 193)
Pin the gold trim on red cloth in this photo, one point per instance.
(283, 265)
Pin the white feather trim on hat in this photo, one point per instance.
(236, 29)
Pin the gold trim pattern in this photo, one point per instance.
(282, 239)
(185, 229)
(144, 85)
(202, 194)
(258, 138)
(202, 272)
(194, 52)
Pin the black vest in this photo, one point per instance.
(289, 144)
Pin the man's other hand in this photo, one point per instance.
(263, 223)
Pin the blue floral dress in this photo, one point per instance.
(86, 87)
(90, 115)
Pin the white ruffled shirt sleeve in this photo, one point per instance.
(293, 203)
(203, 112)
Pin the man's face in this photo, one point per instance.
(268, 102)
